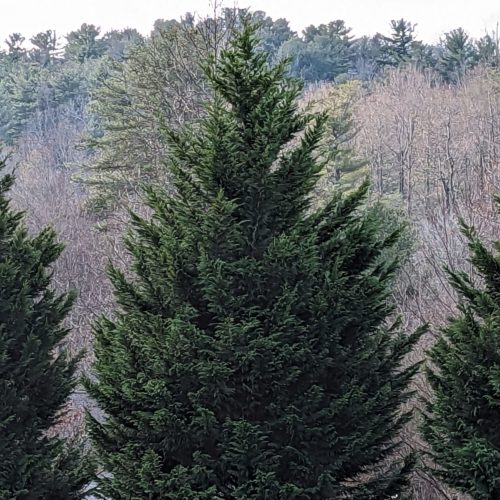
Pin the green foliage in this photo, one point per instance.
(45, 50)
(28, 91)
(272, 33)
(36, 378)
(462, 423)
(16, 51)
(366, 54)
(250, 356)
(84, 44)
(344, 166)
(488, 49)
(458, 54)
(119, 42)
(398, 48)
(21, 98)
(324, 53)
(348, 167)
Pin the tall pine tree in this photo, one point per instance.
(463, 420)
(250, 355)
(398, 48)
(35, 382)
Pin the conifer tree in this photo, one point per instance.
(458, 55)
(35, 382)
(398, 48)
(250, 356)
(463, 420)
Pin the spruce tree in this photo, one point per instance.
(250, 355)
(462, 423)
(35, 382)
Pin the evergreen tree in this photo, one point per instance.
(35, 379)
(272, 33)
(366, 54)
(324, 53)
(398, 48)
(15, 42)
(250, 355)
(84, 44)
(488, 49)
(119, 42)
(45, 47)
(463, 420)
(21, 99)
(423, 55)
(458, 54)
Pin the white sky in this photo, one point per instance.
(433, 17)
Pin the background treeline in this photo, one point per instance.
(58, 74)
(85, 122)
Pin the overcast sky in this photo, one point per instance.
(433, 17)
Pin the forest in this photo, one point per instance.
(240, 262)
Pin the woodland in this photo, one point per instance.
(240, 262)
